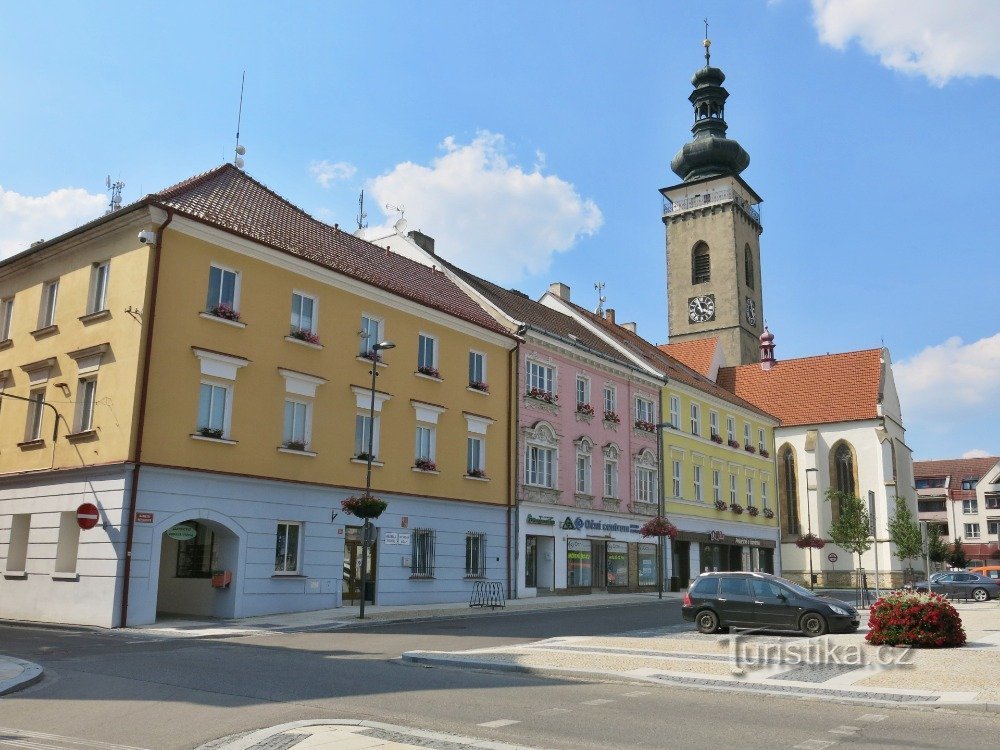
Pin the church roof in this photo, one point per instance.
(843, 387)
(695, 353)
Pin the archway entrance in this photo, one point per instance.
(195, 556)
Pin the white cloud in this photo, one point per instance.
(976, 453)
(937, 39)
(25, 219)
(325, 172)
(486, 214)
(951, 391)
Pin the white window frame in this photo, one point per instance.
(363, 402)
(283, 568)
(970, 506)
(47, 308)
(610, 475)
(86, 399)
(36, 415)
(475, 554)
(644, 410)
(540, 376)
(425, 442)
(675, 412)
(584, 467)
(6, 317)
(972, 531)
(713, 422)
(763, 495)
(300, 429)
(540, 466)
(732, 489)
(211, 304)
(749, 492)
(716, 485)
(427, 359)
(645, 484)
(761, 446)
(746, 434)
(696, 477)
(676, 477)
(365, 343)
(695, 418)
(100, 275)
(992, 525)
(475, 454)
(582, 389)
(227, 405)
(422, 553)
(296, 317)
(610, 399)
(477, 367)
(731, 429)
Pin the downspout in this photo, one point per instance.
(140, 425)
(512, 516)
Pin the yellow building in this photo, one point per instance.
(209, 353)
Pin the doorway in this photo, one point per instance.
(195, 557)
(681, 559)
(352, 567)
(599, 580)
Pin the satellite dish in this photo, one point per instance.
(239, 162)
(360, 233)
(400, 226)
(240, 150)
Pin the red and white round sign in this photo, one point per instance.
(87, 516)
(832, 557)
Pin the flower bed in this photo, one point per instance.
(909, 618)
(809, 540)
(364, 506)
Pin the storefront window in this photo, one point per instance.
(530, 561)
(578, 563)
(617, 562)
(647, 564)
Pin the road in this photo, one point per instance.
(102, 687)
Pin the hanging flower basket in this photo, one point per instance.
(721, 505)
(658, 526)
(365, 506)
(810, 540)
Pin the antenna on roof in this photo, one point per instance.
(400, 225)
(601, 299)
(238, 161)
(115, 190)
(362, 226)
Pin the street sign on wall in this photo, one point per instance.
(87, 516)
(832, 557)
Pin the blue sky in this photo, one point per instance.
(531, 140)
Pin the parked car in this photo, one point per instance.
(759, 600)
(962, 585)
(990, 571)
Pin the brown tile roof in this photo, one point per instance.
(958, 468)
(812, 390)
(674, 369)
(230, 199)
(695, 353)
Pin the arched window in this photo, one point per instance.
(748, 266)
(701, 264)
(842, 473)
(787, 491)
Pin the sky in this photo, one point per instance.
(531, 140)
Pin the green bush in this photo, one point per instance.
(910, 618)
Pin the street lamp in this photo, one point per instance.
(366, 526)
(660, 509)
(811, 486)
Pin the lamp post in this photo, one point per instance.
(660, 510)
(811, 486)
(366, 526)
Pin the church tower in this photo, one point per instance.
(713, 233)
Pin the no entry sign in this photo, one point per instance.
(832, 557)
(87, 516)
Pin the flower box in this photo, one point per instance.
(225, 312)
(768, 513)
(539, 395)
(586, 409)
(641, 424)
(732, 444)
(304, 335)
(364, 456)
(425, 464)
(210, 432)
(753, 510)
(749, 448)
(372, 355)
(610, 416)
(764, 453)
(479, 385)
(476, 473)
(717, 438)
(295, 445)
(658, 526)
(364, 506)
(736, 508)
(431, 372)
(810, 540)
(721, 505)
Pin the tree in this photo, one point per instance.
(852, 531)
(904, 532)
(937, 549)
(956, 555)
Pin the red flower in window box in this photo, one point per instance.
(610, 416)
(371, 354)
(736, 508)
(432, 372)
(364, 506)
(721, 505)
(768, 513)
(540, 395)
(586, 409)
(425, 464)
(764, 453)
(303, 334)
(658, 526)
(716, 438)
(749, 448)
(733, 444)
(224, 311)
(479, 385)
(476, 473)
(753, 510)
(641, 424)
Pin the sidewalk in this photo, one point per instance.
(16, 674)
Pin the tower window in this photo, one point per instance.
(701, 265)
(748, 265)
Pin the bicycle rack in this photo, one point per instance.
(487, 594)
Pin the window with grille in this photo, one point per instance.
(422, 557)
(475, 555)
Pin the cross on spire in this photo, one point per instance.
(707, 43)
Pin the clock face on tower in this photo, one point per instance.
(751, 312)
(701, 309)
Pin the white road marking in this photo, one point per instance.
(872, 717)
(814, 744)
(635, 694)
(596, 702)
(843, 729)
(498, 723)
(23, 738)
(553, 711)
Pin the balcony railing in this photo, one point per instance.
(722, 195)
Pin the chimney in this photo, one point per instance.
(630, 327)
(423, 241)
(559, 290)
(609, 315)
(766, 350)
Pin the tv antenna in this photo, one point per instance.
(361, 212)
(238, 160)
(601, 299)
(400, 225)
(115, 190)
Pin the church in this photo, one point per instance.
(840, 422)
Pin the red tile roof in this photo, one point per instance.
(957, 468)
(230, 199)
(812, 390)
(695, 353)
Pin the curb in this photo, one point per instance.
(30, 674)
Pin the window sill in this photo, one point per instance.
(438, 379)
(224, 441)
(369, 361)
(609, 425)
(94, 316)
(30, 445)
(477, 390)
(474, 578)
(425, 471)
(82, 436)
(419, 577)
(6, 344)
(46, 331)
(217, 319)
(292, 451)
(364, 462)
(15, 574)
(66, 576)
(300, 342)
(287, 576)
(476, 479)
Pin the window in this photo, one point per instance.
(474, 455)
(675, 412)
(842, 472)
(716, 485)
(970, 506)
(972, 531)
(926, 483)
(475, 555)
(213, 409)
(993, 527)
(295, 433)
(763, 495)
(760, 441)
(195, 555)
(787, 494)
(99, 287)
(371, 333)
(6, 315)
(538, 466)
(303, 313)
(427, 355)
(363, 434)
(746, 434)
(611, 473)
(223, 290)
(676, 478)
(477, 369)
(748, 265)
(645, 485)
(734, 587)
(33, 428)
(86, 394)
(286, 548)
(47, 311)
(425, 443)
(610, 399)
(732, 489)
(422, 557)
(969, 483)
(993, 502)
(731, 429)
(713, 422)
(644, 410)
(540, 377)
(582, 389)
(695, 419)
(584, 468)
(17, 550)
(697, 482)
(701, 264)
(749, 492)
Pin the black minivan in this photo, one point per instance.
(760, 600)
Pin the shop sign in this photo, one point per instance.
(747, 542)
(717, 536)
(618, 547)
(142, 516)
(182, 532)
(590, 524)
(541, 520)
(403, 538)
(390, 537)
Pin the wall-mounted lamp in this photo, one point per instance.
(64, 388)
